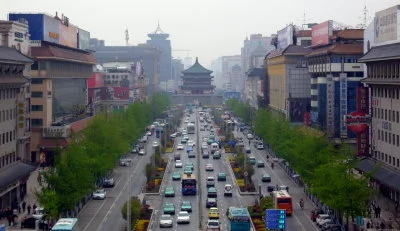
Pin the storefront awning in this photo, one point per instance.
(380, 172)
(14, 172)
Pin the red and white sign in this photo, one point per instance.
(320, 33)
(97, 80)
(363, 143)
(115, 93)
(357, 121)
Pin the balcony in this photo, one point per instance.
(57, 131)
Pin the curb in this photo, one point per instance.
(234, 177)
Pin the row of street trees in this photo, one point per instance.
(326, 170)
(94, 153)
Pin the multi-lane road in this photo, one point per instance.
(99, 215)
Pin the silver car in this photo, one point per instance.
(166, 221)
(183, 217)
(99, 194)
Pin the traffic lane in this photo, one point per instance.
(177, 200)
(94, 211)
(137, 180)
(279, 177)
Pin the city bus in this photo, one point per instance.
(66, 224)
(189, 184)
(282, 200)
(190, 128)
(239, 219)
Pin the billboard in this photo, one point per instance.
(320, 33)
(115, 93)
(297, 108)
(330, 105)
(83, 39)
(386, 25)
(35, 22)
(97, 80)
(68, 35)
(285, 37)
(343, 104)
(232, 94)
(51, 29)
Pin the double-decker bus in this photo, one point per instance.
(189, 184)
(66, 224)
(239, 219)
(190, 128)
(282, 200)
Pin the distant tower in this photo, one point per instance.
(126, 37)
(159, 39)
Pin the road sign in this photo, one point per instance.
(275, 219)
(245, 173)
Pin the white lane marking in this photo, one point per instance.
(113, 204)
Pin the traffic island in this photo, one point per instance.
(242, 175)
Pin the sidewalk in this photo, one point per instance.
(30, 199)
(388, 215)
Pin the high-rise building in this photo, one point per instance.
(15, 126)
(159, 39)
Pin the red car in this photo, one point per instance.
(315, 213)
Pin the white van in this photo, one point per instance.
(228, 190)
(214, 147)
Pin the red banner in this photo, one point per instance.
(362, 99)
(307, 118)
(363, 143)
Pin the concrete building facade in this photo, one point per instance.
(289, 82)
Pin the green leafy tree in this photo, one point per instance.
(135, 210)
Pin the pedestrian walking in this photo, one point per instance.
(378, 211)
(29, 209)
(369, 225)
(19, 209)
(23, 206)
(34, 207)
(9, 219)
(382, 225)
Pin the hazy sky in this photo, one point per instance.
(208, 28)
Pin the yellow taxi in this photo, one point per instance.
(213, 212)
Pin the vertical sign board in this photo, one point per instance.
(343, 104)
(285, 37)
(83, 39)
(275, 219)
(330, 105)
(363, 142)
(51, 29)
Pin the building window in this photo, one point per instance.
(36, 94)
(37, 122)
(37, 107)
(36, 81)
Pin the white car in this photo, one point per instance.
(178, 164)
(173, 135)
(125, 162)
(142, 151)
(321, 219)
(166, 221)
(186, 121)
(209, 167)
(250, 136)
(183, 217)
(190, 143)
(260, 146)
(38, 213)
(155, 144)
(148, 133)
(99, 194)
(213, 224)
(179, 147)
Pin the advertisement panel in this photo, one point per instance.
(35, 22)
(330, 105)
(68, 35)
(362, 99)
(343, 104)
(285, 37)
(51, 30)
(386, 25)
(97, 80)
(83, 39)
(115, 93)
(232, 94)
(363, 143)
(307, 118)
(320, 33)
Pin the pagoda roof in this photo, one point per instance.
(198, 86)
(197, 68)
(193, 76)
